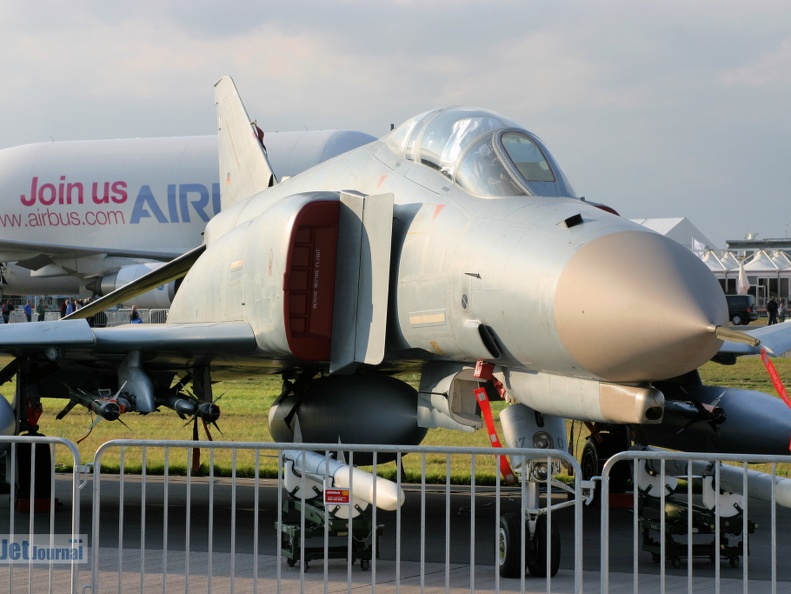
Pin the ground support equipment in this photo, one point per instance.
(731, 539)
(362, 534)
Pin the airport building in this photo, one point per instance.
(766, 262)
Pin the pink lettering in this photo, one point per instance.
(70, 189)
(103, 199)
(119, 192)
(33, 194)
(67, 192)
(47, 194)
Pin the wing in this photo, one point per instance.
(171, 271)
(775, 339)
(128, 368)
(75, 340)
(36, 255)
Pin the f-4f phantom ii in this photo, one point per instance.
(455, 247)
(86, 217)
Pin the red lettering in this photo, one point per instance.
(104, 199)
(66, 192)
(33, 193)
(70, 188)
(119, 192)
(47, 189)
(52, 218)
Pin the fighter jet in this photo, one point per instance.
(454, 247)
(86, 217)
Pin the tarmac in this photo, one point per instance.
(143, 564)
(234, 573)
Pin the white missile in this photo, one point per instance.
(375, 490)
(759, 484)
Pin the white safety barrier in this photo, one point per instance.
(43, 513)
(224, 533)
(99, 320)
(697, 520)
(118, 317)
(299, 520)
(17, 316)
(111, 317)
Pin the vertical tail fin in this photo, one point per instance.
(244, 166)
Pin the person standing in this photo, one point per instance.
(28, 311)
(771, 309)
(134, 317)
(7, 309)
(781, 311)
(40, 310)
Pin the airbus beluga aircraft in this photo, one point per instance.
(86, 217)
(454, 247)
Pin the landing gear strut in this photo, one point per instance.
(530, 533)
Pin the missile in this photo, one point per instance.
(191, 407)
(375, 490)
(208, 411)
(107, 408)
(759, 484)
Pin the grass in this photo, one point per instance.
(245, 403)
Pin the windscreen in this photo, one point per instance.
(480, 151)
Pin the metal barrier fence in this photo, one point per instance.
(118, 317)
(111, 317)
(699, 507)
(17, 316)
(37, 505)
(234, 533)
(156, 524)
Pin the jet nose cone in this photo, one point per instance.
(636, 306)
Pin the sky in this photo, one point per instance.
(657, 108)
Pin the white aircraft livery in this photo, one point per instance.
(83, 217)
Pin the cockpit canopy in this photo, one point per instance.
(481, 152)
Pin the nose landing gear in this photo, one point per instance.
(536, 546)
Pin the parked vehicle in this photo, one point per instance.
(741, 309)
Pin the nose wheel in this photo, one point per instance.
(536, 549)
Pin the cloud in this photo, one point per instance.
(766, 70)
(643, 102)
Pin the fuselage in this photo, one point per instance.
(543, 283)
(154, 194)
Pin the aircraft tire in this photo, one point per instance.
(510, 545)
(537, 549)
(595, 455)
(41, 474)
